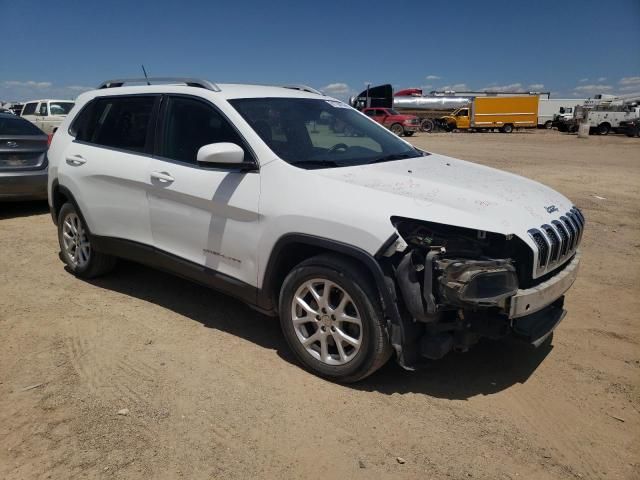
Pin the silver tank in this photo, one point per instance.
(430, 103)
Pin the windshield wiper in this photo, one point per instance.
(391, 157)
(316, 163)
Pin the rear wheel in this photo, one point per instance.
(548, 124)
(75, 246)
(332, 320)
(508, 128)
(397, 129)
(427, 125)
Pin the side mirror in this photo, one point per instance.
(220, 153)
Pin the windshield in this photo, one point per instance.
(314, 133)
(60, 108)
(18, 126)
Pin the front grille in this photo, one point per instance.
(557, 242)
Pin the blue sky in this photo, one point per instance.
(572, 48)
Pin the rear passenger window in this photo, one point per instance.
(117, 122)
(42, 111)
(190, 124)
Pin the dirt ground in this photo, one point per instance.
(213, 393)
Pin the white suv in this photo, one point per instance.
(361, 243)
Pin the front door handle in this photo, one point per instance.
(76, 160)
(163, 177)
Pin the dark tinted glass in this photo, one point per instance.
(18, 126)
(311, 133)
(29, 109)
(60, 108)
(120, 122)
(191, 124)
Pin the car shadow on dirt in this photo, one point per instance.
(194, 301)
(489, 367)
(23, 209)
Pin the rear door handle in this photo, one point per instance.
(76, 160)
(162, 177)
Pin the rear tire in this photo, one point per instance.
(329, 300)
(508, 128)
(427, 125)
(76, 250)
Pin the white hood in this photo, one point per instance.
(455, 192)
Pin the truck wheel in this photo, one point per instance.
(604, 128)
(75, 247)
(332, 319)
(548, 124)
(508, 128)
(427, 125)
(397, 129)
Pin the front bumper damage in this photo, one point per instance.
(449, 304)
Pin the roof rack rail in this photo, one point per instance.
(303, 88)
(190, 82)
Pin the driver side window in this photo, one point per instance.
(190, 124)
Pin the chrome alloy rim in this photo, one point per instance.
(75, 241)
(326, 321)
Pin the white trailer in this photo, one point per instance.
(548, 108)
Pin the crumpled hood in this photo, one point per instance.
(455, 192)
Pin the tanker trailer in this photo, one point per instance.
(428, 108)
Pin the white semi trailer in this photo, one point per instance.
(548, 108)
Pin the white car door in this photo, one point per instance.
(107, 165)
(208, 216)
(41, 117)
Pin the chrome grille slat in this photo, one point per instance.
(557, 241)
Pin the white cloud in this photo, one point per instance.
(595, 88)
(27, 84)
(582, 80)
(602, 79)
(503, 88)
(536, 86)
(432, 77)
(79, 88)
(457, 86)
(629, 81)
(336, 88)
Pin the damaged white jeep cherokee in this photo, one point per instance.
(302, 207)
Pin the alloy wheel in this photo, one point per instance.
(326, 321)
(75, 241)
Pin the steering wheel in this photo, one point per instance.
(338, 146)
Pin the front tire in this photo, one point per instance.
(397, 129)
(332, 319)
(604, 129)
(75, 246)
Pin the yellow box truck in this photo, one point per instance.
(505, 113)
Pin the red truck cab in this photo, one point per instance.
(399, 124)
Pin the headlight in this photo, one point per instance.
(482, 283)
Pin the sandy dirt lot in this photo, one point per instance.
(213, 393)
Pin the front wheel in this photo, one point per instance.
(604, 128)
(332, 320)
(75, 245)
(427, 125)
(548, 124)
(397, 129)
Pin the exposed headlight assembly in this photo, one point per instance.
(476, 283)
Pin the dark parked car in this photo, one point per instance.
(23, 159)
(631, 128)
